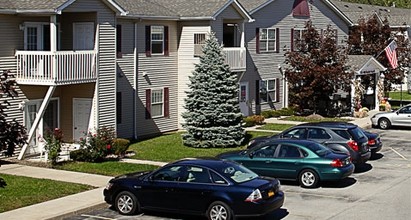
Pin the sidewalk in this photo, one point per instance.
(89, 200)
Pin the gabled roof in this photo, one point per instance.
(46, 6)
(181, 9)
(397, 17)
(363, 63)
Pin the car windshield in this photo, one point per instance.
(238, 173)
(318, 149)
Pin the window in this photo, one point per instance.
(198, 175)
(118, 41)
(267, 40)
(172, 173)
(119, 108)
(269, 90)
(317, 133)
(156, 40)
(266, 151)
(157, 103)
(299, 133)
(199, 42)
(287, 151)
(296, 38)
(37, 36)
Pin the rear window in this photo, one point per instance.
(343, 133)
(319, 149)
(357, 133)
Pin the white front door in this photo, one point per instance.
(243, 99)
(83, 36)
(81, 117)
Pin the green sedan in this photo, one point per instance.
(306, 161)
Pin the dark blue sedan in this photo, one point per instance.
(215, 188)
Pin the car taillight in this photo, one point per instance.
(337, 163)
(353, 144)
(254, 196)
(371, 142)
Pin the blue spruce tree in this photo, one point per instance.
(212, 117)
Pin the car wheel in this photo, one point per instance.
(308, 178)
(384, 123)
(126, 203)
(219, 211)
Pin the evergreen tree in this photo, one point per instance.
(212, 117)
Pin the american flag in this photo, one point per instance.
(392, 54)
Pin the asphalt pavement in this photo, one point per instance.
(89, 200)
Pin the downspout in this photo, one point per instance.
(135, 82)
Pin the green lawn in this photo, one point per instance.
(24, 191)
(169, 147)
(397, 95)
(305, 119)
(108, 168)
(275, 127)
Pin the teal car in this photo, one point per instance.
(306, 161)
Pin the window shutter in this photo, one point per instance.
(257, 92)
(166, 103)
(166, 50)
(277, 40)
(257, 40)
(277, 88)
(148, 103)
(118, 43)
(300, 8)
(336, 36)
(148, 41)
(292, 39)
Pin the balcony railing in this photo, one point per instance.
(235, 57)
(56, 68)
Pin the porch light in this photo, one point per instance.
(21, 26)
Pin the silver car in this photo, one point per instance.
(401, 117)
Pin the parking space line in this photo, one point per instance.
(398, 153)
(97, 217)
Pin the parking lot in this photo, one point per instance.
(380, 189)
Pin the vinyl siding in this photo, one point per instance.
(186, 59)
(278, 14)
(126, 79)
(161, 72)
(229, 15)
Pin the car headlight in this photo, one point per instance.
(108, 186)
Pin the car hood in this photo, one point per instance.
(137, 175)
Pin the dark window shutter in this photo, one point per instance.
(148, 41)
(166, 49)
(277, 89)
(166, 103)
(148, 103)
(292, 39)
(257, 40)
(118, 43)
(277, 40)
(257, 92)
(336, 36)
(300, 8)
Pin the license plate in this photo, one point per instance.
(270, 193)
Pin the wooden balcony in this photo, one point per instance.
(56, 68)
(235, 57)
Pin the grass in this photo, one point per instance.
(397, 95)
(24, 191)
(275, 127)
(169, 147)
(108, 168)
(305, 119)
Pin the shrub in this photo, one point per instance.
(267, 113)
(253, 120)
(53, 140)
(120, 146)
(286, 111)
(80, 155)
(97, 146)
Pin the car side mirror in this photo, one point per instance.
(251, 155)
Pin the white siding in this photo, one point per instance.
(162, 72)
(186, 61)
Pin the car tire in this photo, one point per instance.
(219, 210)
(308, 178)
(384, 123)
(126, 203)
